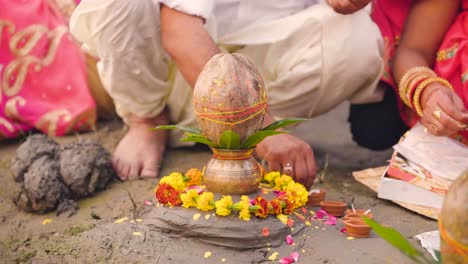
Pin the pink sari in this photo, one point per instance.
(43, 81)
(452, 58)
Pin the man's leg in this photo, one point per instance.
(377, 126)
(124, 35)
(330, 59)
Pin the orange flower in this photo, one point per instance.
(274, 207)
(263, 204)
(289, 208)
(166, 194)
(195, 177)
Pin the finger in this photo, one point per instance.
(431, 127)
(311, 167)
(445, 124)
(274, 165)
(300, 170)
(460, 105)
(448, 105)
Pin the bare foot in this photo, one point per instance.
(141, 150)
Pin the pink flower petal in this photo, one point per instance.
(198, 188)
(320, 214)
(146, 202)
(286, 260)
(294, 255)
(343, 230)
(278, 193)
(331, 220)
(289, 240)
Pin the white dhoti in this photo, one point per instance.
(311, 61)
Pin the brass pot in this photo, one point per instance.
(232, 172)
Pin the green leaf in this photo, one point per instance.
(190, 137)
(257, 137)
(394, 238)
(283, 123)
(229, 140)
(191, 130)
(439, 256)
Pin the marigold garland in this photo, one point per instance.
(178, 189)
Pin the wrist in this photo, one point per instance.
(427, 93)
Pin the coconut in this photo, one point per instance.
(229, 95)
(453, 222)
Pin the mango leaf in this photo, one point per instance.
(397, 240)
(283, 123)
(229, 140)
(257, 137)
(191, 130)
(189, 137)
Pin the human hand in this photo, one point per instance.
(282, 149)
(443, 111)
(347, 6)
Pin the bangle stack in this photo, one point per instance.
(413, 83)
(410, 81)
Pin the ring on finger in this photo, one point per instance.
(288, 169)
(437, 113)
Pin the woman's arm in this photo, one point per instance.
(427, 23)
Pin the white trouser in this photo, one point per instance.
(310, 61)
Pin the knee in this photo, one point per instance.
(112, 21)
(377, 126)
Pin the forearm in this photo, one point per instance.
(420, 39)
(187, 42)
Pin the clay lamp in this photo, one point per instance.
(358, 211)
(315, 197)
(334, 208)
(357, 228)
(350, 216)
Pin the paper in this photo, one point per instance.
(430, 241)
(442, 156)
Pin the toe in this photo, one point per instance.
(122, 170)
(150, 170)
(134, 171)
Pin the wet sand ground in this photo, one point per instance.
(91, 236)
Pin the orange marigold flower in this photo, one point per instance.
(263, 204)
(274, 207)
(289, 207)
(166, 194)
(195, 175)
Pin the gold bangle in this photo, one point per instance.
(408, 76)
(410, 88)
(420, 89)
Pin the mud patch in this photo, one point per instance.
(52, 177)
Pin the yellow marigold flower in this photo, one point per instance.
(205, 201)
(297, 194)
(271, 176)
(175, 180)
(244, 204)
(189, 199)
(282, 181)
(195, 176)
(222, 206)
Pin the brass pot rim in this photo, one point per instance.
(232, 153)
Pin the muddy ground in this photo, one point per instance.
(92, 236)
